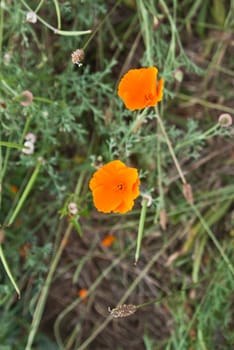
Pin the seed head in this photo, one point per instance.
(149, 199)
(178, 75)
(72, 208)
(30, 137)
(28, 147)
(225, 120)
(27, 98)
(77, 57)
(31, 17)
(188, 193)
(124, 310)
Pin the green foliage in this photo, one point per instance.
(80, 123)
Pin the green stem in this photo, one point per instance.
(138, 120)
(55, 30)
(11, 144)
(1, 27)
(57, 9)
(208, 133)
(42, 299)
(25, 193)
(3, 167)
(129, 291)
(141, 229)
(164, 298)
(42, 99)
(45, 289)
(4, 83)
(213, 238)
(159, 170)
(100, 25)
(170, 147)
(26, 127)
(194, 100)
(8, 272)
(39, 6)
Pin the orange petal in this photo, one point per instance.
(160, 89)
(108, 240)
(104, 200)
(137, 88)
(124, 207)
(114, 187)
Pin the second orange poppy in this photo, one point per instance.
(139, 88)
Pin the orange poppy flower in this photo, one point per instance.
(139, 88)
(114, 187)
(108, 240)
(83, 294)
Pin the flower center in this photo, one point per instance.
(120, 187)
(149, 97)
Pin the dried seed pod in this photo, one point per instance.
(225, 120)
(124, 310)
(163, 219)
(31, 17)
(188, 193)
(77, 57)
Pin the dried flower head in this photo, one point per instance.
(30, 137)
(31, 17)
(139, 88)
(178, 75)
(28, 147)
(124, 310)
(7, 58)
(27, 97)
(225, 120)
(3, 105)
(77, 57)
(114, 187)
(25, 250)
(41, 160)
(148, 197)
(72, 208)
(188, 193)
(163, 219)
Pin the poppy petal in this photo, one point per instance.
(114, 187)
(138, 90)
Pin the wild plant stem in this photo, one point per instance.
(159, 177)
(45, 289)
(100, 25)
(170, 147)
(57, 9)
(129, 291)
(25, 193)
(39, 6)
(8, 272)
(141, 229)
(205, 135)
(26, 128)
(213, 238)
(1, 28)
(55, 30)
(11, 144)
